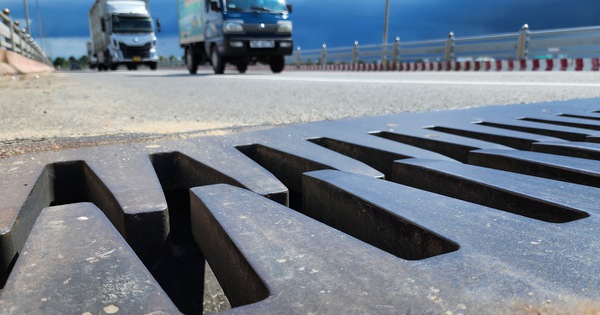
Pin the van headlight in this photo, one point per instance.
(233, 26)
(284, 27)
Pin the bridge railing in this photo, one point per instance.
(582, 42)
(572, 42)
(15, 39)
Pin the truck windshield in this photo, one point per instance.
(131, 24)
(276, 6)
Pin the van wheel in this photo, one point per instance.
(242, 67)
(217, 61)
(277, 63)
(191, 60)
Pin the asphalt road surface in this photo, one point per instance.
(80, 104)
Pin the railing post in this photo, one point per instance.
(450, 47)
(323, 54)
(27, 45)
(16, 35)
(34, 51)
(396, 53)
(298, 58)
(11, 26)
(355, 53)
(523, 48)
(7, 21)
(22, 37)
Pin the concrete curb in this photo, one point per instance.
(12, 63)
(5, 68)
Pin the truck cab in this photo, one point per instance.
(124, 35)
(242, 32)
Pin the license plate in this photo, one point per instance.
(262, 44)
(137, 58)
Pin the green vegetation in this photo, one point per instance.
(63, 63)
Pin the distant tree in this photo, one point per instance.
(84, 61)
(58, 62)
(172, 58)
(61, 62)
(162, 58)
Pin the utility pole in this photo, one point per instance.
(385, 30)
(40, 29)
(27, 17)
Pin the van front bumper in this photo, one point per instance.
(257, 47)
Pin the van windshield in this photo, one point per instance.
(131, 24)
(276, 6)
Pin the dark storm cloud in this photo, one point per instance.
(340, 23)
(69, 18)
(474, 17)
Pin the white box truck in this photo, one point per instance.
(122, 33)
(239, 32)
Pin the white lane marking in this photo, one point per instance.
(404, 81)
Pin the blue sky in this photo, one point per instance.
(335, 22)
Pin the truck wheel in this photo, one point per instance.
(191, 61)
(277, 63)
(217, 61)
(153, 66)
(242, 67)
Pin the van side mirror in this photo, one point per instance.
(214, 5)
(103, 25)
(289, 8)
(158, 27)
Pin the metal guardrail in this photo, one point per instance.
(171, 63)
(15, 39)
(582, 42)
